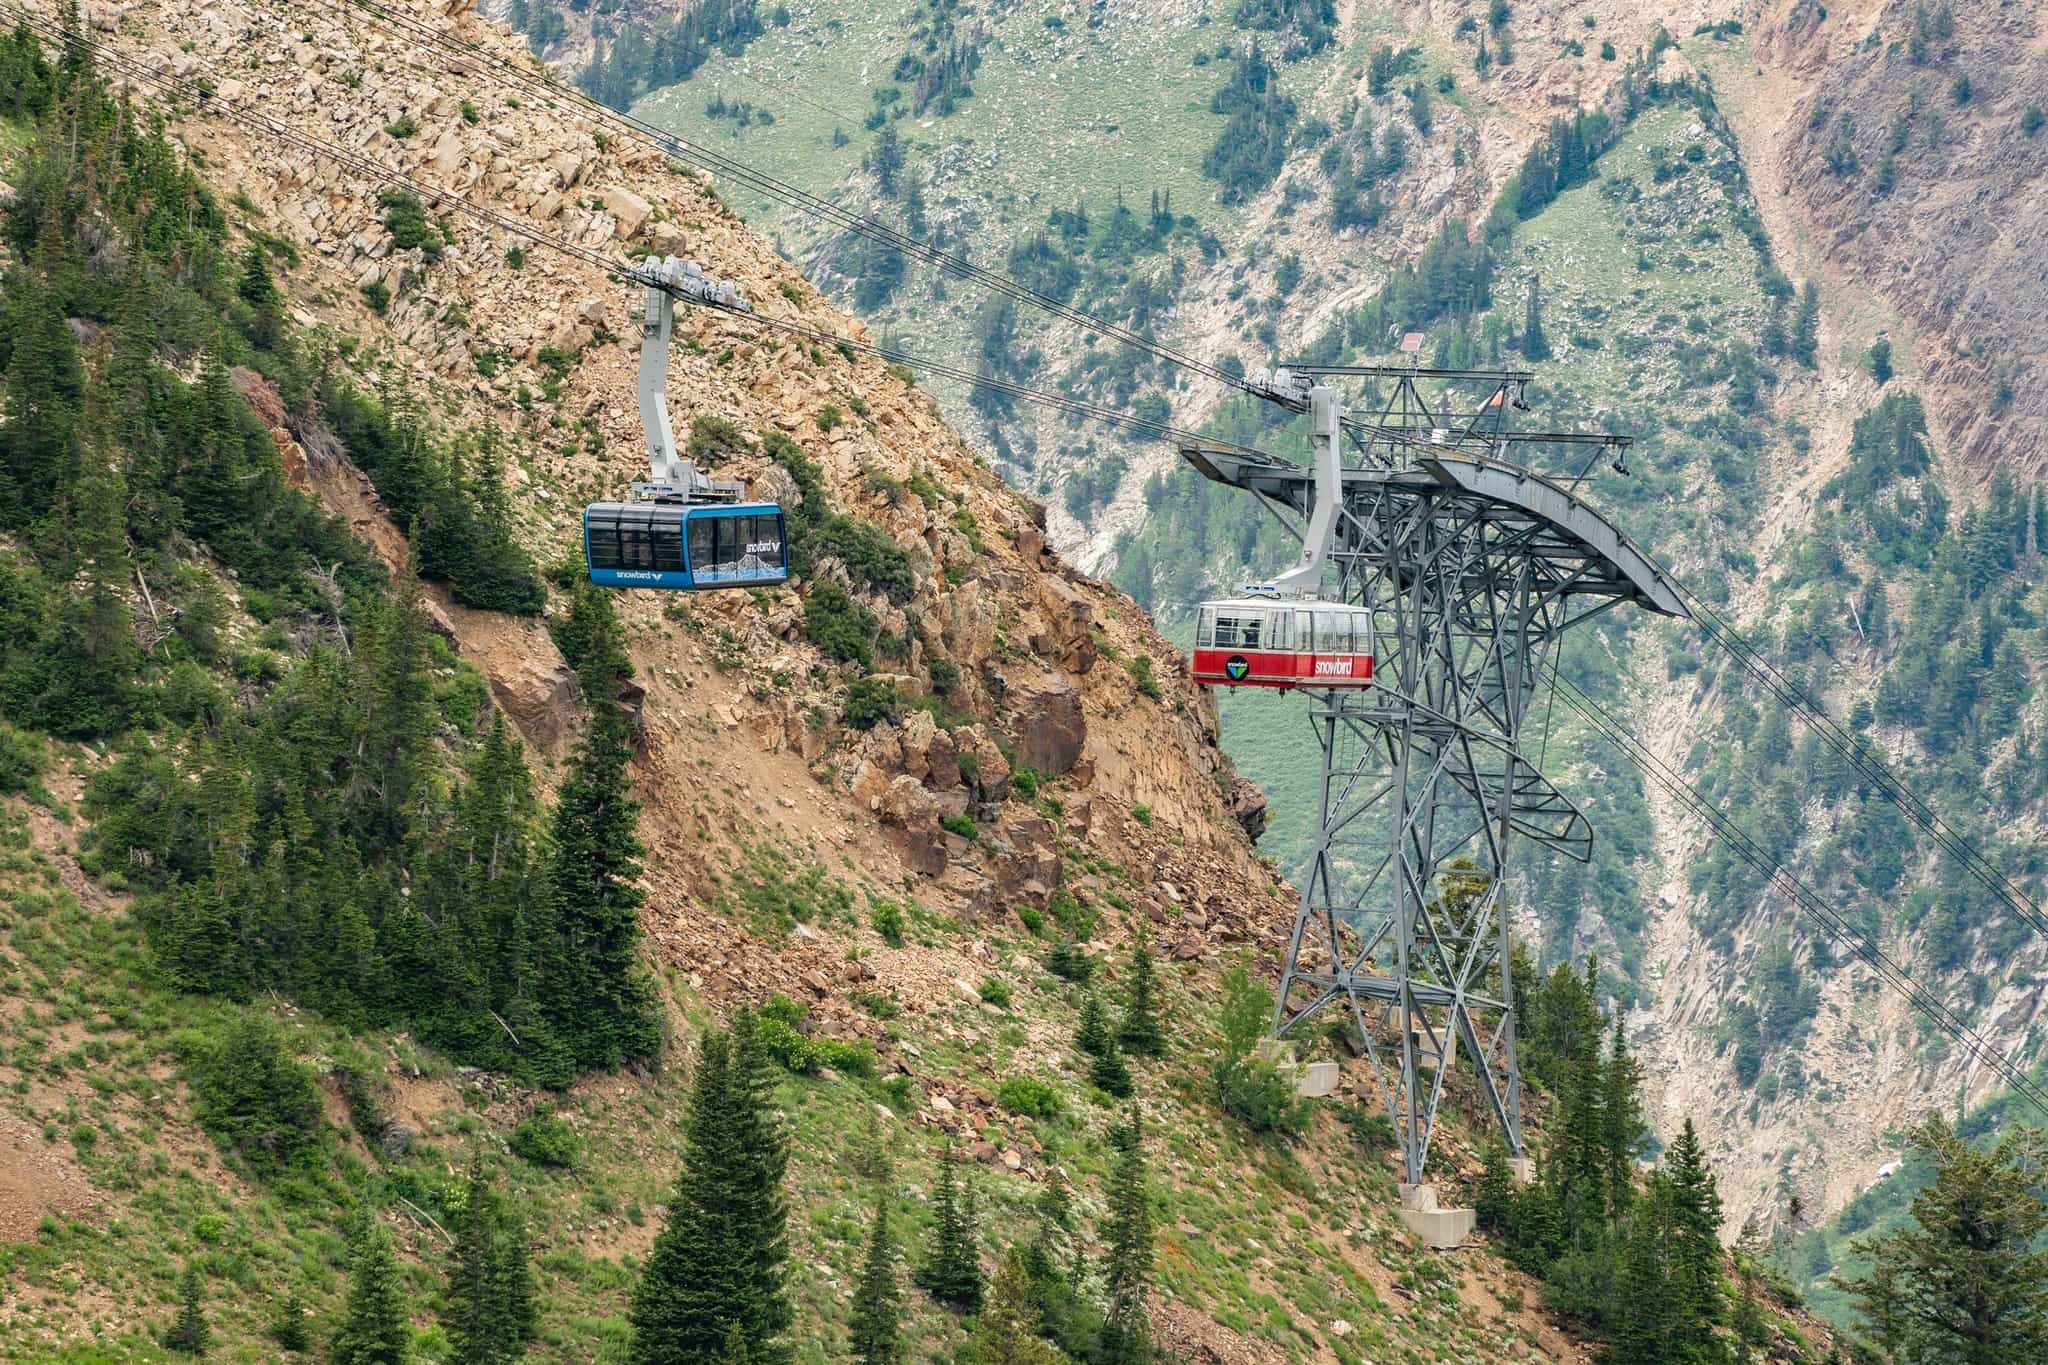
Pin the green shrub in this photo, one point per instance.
(995, 991)
(1033, 919)
(378, 296)
(886, 918)
(1371, 1127)
(785, 1045)
(410, 228)
(547, 1140)
(402, 127)
(1032, 1098)
(21, 761)
(1140, 669)
(1074, 915)
(1256, 1091)
(1067, 962)
(945, 675)
(258, 1104)
(869, 701)
(960, 825)
(849, 1059)
(1142, 814)
(841, 628)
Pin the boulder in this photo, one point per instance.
(628, 210)
(1248, 807)
(1068, 637)
(1051, 729)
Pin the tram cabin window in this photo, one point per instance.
(1333, 632)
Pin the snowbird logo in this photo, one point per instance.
(1235, 667)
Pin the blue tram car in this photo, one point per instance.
(676, 546)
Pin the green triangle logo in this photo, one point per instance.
(1235, 667)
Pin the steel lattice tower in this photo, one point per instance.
(1473, 566)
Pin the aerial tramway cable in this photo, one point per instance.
(379, 172)
(1776, 874)
(541, 85)
(1866, 761)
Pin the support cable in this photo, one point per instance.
(172, 87)
(1774, 873)
(410, 28)
(1865, 760)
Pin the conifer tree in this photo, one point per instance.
(289, 1328)
(373, 1329)
(1694, 1243)
(1966, 1282)
(951, 1272)
(1494, 1204)
(44, 388)
(1535, 346)
(190, 1335)
(600, 1000)
(718, 1265)
(1107, 1070)
(1127, 1329)
(1142, 1034)
(1621, 1121)
(1109, 1073)
(490, 1308)
(1006, 1333)
(1641, 1326)
(1805, 340)
(877, 1335)
(1093, 1036)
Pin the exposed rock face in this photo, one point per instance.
(1248, 808)
(1949, 236)
(1050, 726)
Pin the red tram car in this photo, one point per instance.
(1263, 642)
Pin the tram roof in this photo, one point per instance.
(1510, 488)
(1304, 603)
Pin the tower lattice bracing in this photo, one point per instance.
(1473, 567)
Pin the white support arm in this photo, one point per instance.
(1326, 421)
(665, 281)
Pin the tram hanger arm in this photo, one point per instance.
(664, 281)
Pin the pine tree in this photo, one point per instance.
(289, 1329)
(1006, 1333)
(1107, 1070)
(1142, 1034)
(374, 1330)
(718, 1264)
(190, 1334)
(877, 1334)
(951, 1272)
(1621, 1121)
(490, 1313)
(1881, 360)
(1966, 1283)
(599, 999)
(1127, 1329)
(44, 388)
(1110, 1074)
(1694, 1243)
(1805, 342)
(1494, 1204)
(1093, 1037)
(1640, 1326)
(1535, 346)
